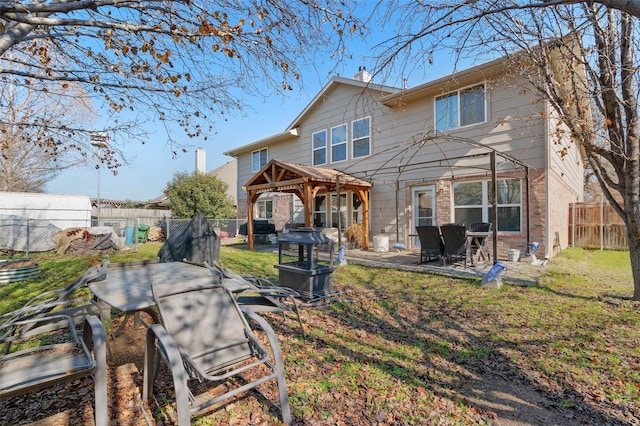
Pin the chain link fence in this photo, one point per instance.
(23, 235)
(225, 228)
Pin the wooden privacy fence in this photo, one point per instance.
(596, 225)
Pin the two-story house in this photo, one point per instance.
(395, 158)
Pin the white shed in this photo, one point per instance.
(28, 220)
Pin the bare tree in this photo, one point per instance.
(177, 62)
(578, 56)
(33, 122)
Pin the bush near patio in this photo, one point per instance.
(399, 347)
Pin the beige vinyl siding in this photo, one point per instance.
(244, 174)
(398, 134)
(566, 164)
(516, 124)
(337, 108)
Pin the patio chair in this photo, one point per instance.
(431, 245)
(205, 336)
(259, 294)
(454, 237)
(62, 301)
(95, 273)
(40, 364)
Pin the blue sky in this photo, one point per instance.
(153, 165)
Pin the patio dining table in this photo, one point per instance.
(127, 287)
(479, 240)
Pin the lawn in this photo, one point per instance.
(408, 348)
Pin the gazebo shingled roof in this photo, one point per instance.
(306, 182)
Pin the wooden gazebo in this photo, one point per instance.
(306, 182)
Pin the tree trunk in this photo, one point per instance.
(632, 212)
(634, 253)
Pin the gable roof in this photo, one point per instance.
(445, 84)
(291, 132)
(335, 82)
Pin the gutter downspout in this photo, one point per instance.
(547, 180)
(398, 215)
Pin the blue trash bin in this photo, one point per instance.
(128, 235)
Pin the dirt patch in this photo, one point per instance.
(495, 391)
(17, 264)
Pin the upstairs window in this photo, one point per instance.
(361, 137)
(258, 159)
(460, 108)
(339, 143)
(333, 145)
(319, 143)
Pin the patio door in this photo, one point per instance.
(423, 208)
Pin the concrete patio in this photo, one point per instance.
(519, 273)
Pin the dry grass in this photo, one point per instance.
(408, 348)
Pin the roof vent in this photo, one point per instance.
(362, 75)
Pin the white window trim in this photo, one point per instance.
(257, 207)
(485, 206)
(458, 91)
(348, 209)
(345, 143)
(314, 149)
(258, 151)
(334, 203)
(321, 212)
(354, 139)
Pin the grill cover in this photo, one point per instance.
(197, 242)
(260, 227)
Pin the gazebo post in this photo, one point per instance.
(494, 203)
(364, 197)
(307, 201)
(250, 221)
(528, 205)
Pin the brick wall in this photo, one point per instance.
(281, 213)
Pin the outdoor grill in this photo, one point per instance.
(308, 274)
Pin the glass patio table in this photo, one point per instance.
(127, 287)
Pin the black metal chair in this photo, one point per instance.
(480, 227)
(454, 237)
(431, 245)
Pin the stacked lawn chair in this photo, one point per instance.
(40, 344)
